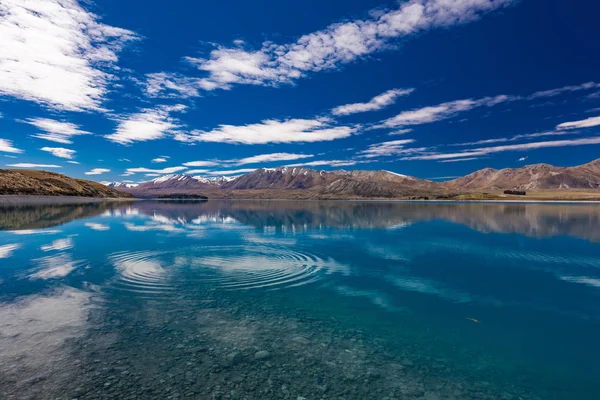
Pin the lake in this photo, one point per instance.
(299, 300)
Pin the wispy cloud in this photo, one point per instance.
(159, 160)
(55, 131)
(440, 112)
(196, 171)
(7, 147)
(393, 147)
(482, 151)
(31, 165)
(200, 164)
(429, 114)
(59, 152)
(274, 131)
(330, 163)
(231, 171)
(168, 170)
(376, 103)
(273, 157)
(459, 160)
(149, 124)
(327, 49)
(56, 53)
(400, 132)
(516, 138)
(97, 171)
(585, 123)
(562, 90)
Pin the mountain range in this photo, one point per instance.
(544, 180)
(287, 182)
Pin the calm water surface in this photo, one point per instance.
(293, 300)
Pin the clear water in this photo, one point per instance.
(292, 300)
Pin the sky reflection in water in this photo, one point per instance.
(350, 299)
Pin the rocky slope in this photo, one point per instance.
(305, 183)
(531, 177)
(290, 182)
(174, 183)
(31, 182)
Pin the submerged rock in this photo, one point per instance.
(262, 355)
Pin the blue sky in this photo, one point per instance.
(128, 91)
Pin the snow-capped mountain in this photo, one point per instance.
(178, 184)
(119, 185)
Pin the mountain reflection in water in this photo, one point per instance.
(313, 299)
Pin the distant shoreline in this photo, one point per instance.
(34, 200)
(8, 199)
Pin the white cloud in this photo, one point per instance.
(73, 162)
(200, 164)
(159, 160)
(564, 89)
(482, 151)
(153, 175)
(390, 148)
(515, 138)
(7, 250)
(442, 111)
(460, 160)
(59, 152)
(450, 109)
(585, 123)
(97, 171)
(169, 170)
(328, 49)
(376, 103)
(400, 132)
(196, 171)
(149, 124)
(522, 159)
(331, 163)
(162, 84)
(96, 226)
(7, 147)
(56, 53)
(31, 165)
(59, 244)
(55, 131)
(273, 157)
(232, 172)
(274, 131)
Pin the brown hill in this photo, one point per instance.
(170, 184)
(284, 182)
(531, 177)
(31, 182)
(305, 183)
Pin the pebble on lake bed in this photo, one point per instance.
(262, 354)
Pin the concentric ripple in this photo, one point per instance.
(253, 267)
(153, 274)
(141, 272)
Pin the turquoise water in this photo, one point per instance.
(292, 300)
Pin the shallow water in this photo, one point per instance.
(292, 300)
